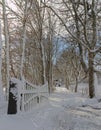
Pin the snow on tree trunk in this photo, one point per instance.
(23, 45)
(6, 42)
(24, 40)
(1, 87)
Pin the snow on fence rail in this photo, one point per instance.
(30, 94)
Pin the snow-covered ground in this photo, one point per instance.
(63, 111)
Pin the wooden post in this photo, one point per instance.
(12, 104)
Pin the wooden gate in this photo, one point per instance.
(30, 94)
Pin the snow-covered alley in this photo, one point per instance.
(50, 64)
(63, 111)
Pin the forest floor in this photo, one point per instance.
(62, 111)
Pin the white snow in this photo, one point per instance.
(15, 90)
(18, 82)
(63, 111)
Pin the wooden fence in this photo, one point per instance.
(29, 95)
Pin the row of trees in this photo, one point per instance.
(81, 19)
(32, 29)
(27, 51)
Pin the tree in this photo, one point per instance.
(70, 67)
(82, 30)
(89, 36)
(6, 43)
(24, 38)
(49, 51)
(1, 87)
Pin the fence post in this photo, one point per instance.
(12, 102)
(19, 101)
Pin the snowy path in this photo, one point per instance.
(15, 123)
(63, 111)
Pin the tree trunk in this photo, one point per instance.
(49, 69)
(50, 40)
(43, 63)
(6, 43)
(23, 40)
(76, 86)
(67, 82)
(50, 76)
(1, 87)
(91, 75)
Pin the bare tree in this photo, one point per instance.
(6, 42)
(49, 49)
(24, 38)
(1, 86)
(83, 15)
